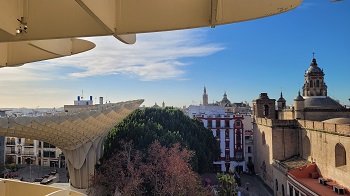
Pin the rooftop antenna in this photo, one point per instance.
(82, 94)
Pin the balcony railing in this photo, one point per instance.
(10, 143)
(10, 152)
(28, 153)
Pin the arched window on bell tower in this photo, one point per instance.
(311, 83)
(266, 110)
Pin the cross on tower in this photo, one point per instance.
(313, 54)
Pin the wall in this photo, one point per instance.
(282, 142)
(279, 174)
(321, 115)
(322, 152)
(285, 142)
(286, 115)
(262, 152)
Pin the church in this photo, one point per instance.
(303, 149)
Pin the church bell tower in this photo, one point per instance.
(205, 97)
(314, 81)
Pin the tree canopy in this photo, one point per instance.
(168, 126)
(166, 172)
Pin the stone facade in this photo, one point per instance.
(315, 141)
(302, 132)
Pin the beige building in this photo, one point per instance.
(303, 149)
(27, 151)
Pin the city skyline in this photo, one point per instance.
(242, 59)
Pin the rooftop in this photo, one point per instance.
(308, 176)
(339, 121)
(321, 102)
(294, 162)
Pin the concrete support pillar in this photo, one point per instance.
(81, 162)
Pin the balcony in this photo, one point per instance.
(249, 141)
(27, 153)
(10, 152)
(29, 145)
(10, 143)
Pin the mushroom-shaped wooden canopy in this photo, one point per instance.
(78, 133)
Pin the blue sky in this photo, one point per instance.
(244, 59)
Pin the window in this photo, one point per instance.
(296, 193)
(238, 123)
(263, 138)
(217, 134)
(227, 155)
(239, 156)
(227, 123)
(249, 149)
(51, 154)
(227, 144)
(13, 150)
(317, 83)
(227, 134)
(290, 190)
(340, 155)
(47, 145)
(209, 123)
(282, 190)
(266, 110)
(276, 185)
(250, 160)
(217, 123)
(311, 83)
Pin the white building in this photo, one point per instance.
(228, 129)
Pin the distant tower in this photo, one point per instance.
(205, 97)
(225, 101)
(314, 81)
(163, 105)
(264, 107)
(281, 103)
(299, 106)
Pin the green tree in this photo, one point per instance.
(168, 126)
(9, 160)
(228, 184)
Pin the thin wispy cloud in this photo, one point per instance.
(23, 73)
(155, 56)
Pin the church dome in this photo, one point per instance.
(281, 99)
(321, 102)
(314, 68)
(299, 97)
(225, 100)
